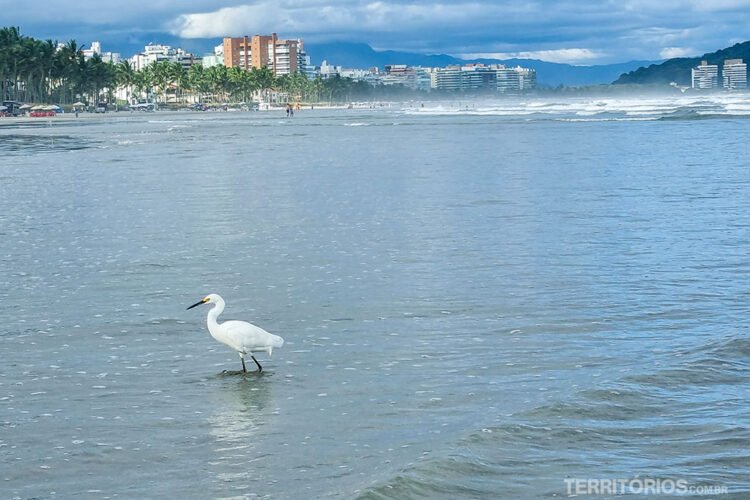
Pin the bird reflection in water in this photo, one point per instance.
(241, 413)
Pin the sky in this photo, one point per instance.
(577, 32)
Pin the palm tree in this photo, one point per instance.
(249, 85)
(217, 79)
(11, 42)
(234, 81)
(27, 64)
(160, 77)
(265, 80)
(335, 87)
(44, 69)
(69, 66)
(315, 89)
(177, 76)
(97, 76)
(143, 82)
(197, 81)
(298, 85)
(125, 77)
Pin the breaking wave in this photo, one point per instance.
(598, 109)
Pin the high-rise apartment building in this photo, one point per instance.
(734, 74)
(96, 48)
(478, 76)
(157, 53)
(237, 52)
(515, 79)
(705, 76)
(283, 57)
(448, 78)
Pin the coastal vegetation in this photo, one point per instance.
(40, 71)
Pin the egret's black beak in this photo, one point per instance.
(196, 304)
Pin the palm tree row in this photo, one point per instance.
(39, 71)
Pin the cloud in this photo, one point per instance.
(568, 56)
(556, 30)
(672, 52)
(566, 31)
(370, 17)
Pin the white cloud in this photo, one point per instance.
(682, 6)
(568, 56)
(568, 31)
(376, 16)
(720, 5)
(672, 52)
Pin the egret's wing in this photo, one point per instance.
(245, 335)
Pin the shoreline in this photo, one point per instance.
(88, 116)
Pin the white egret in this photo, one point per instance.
(241, 336)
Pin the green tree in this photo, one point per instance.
(178, 78)
(143, 83)
(125, 77)
(97, 76)
(218, 80)
(69, 66)
(265, 80)
(198, 82)
(11, 53)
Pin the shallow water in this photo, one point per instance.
(475, 303)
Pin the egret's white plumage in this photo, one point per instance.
(241, 336)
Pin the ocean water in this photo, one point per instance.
(479, 300)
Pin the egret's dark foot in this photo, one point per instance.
(260, 368)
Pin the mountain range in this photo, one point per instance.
(362, 55)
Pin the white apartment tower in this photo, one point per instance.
(705, 76)
(734, 74)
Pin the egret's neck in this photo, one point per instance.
(213, 314)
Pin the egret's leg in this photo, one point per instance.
(260, 368)
(242, 358)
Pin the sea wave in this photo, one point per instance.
(649, 425)
(599, 109)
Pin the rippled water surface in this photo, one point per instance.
(475, 303)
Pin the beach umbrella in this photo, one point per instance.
(39, 107)
(79, 103)
(3, 108)
(25, 106)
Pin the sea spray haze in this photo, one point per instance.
(478, 300)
